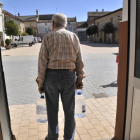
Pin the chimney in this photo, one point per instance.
(103, 10)
(18, 14)
(97, 10)
(37, 12)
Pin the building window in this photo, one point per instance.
(26, 25)
(31, 24)
(69, 28)
(21, 39)
(91, 18)
(46, 29)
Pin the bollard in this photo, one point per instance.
(117, 61)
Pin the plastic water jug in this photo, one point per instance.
(41, 111)
(80, 104)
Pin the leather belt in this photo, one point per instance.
(62, 70)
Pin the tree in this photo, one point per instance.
(88, 31)
(94, 29)
(109, 28)
(24, 34)
(11, 28)
(7, 41)
(30, 31)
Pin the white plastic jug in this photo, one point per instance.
(80, 104)
(41, 111)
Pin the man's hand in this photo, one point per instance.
(79, 85)
(40, 90)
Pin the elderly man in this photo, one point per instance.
(59, 59)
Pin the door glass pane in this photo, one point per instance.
(137, 55)
(135, 123)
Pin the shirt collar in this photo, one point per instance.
(58, 28)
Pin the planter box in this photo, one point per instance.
(8, 47)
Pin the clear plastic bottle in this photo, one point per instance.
(80, 104)
(41, 111)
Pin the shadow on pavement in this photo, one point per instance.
(113, 84)
(116, 53)
(93, 44)
(20, 46)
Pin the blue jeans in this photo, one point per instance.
(60, 81)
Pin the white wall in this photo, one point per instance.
(1, 30)
(125, 10)
(81, 29)
(41, 28)
(74, 26)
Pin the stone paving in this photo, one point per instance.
(98, 124)
(20, 67)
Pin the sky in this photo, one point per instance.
(71, 8)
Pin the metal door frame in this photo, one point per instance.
(4, 109)
(133, 82)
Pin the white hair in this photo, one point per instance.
(60, 20)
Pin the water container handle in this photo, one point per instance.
(42, 96)
(80, 89)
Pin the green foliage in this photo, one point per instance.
(88, 31)
(24, 34)
(11, 28)
(109, 28)
(7, 41)
(94, 29)
(10, 41)
(30, 31)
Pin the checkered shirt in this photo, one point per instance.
(60, 49)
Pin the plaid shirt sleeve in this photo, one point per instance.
(79, 63)
(42, 63)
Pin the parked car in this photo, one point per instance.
(23, 40)
(39, 39)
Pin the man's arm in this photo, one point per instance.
(42, 64)
(79, 66)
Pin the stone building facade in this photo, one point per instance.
(113, 17)
(95, 14)
(44, 25)
(30, 21)
(8, 16)
(72, 25)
